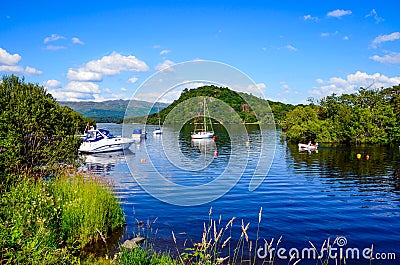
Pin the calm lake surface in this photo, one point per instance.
(304, 197)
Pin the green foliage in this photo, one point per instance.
(367, 116)
(36, 133)
(36, 224)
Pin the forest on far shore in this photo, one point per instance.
(368, 116)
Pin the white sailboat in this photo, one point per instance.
(158, 130)
(201, 130)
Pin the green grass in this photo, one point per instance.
(141, 256)
(44, 222)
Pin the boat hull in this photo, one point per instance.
(203, 135)
(107, 145)
(307, 147)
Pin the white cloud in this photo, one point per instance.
(339, 13)
(115, 63)
(165, 52)
(108, 65)
(374, 14)
(309, 17)
(346, 38)
(68, 95)
(291, 48)
(75, 40)
(32, 71)
(52, 83)
(385, 38)
(351, 82)
(53, 37)
(123, 89)
(328, 34)
(83, 75)
(165, 65)
(82, 87)
(155, 97)
(10, 62)
(156, 46)
(256, 89)
(9, 59)
(54, 47)
(392, 58)
(319, 81)
(20, 70)
(133, 80)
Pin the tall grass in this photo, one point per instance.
(89, 209)
(217, 245)
(49, 222)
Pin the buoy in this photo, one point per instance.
(358, 156)
(367, 157)
(215, 153)
(247, 143)
(214, 137)
(143, 160)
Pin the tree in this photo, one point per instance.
(37, 135)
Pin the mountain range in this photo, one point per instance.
(113, 110)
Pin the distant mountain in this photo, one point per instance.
(113, 110)
(240, 108)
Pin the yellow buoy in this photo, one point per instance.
(358, 156)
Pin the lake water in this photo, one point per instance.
(304, 197)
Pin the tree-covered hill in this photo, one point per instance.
(111, 110)
(225, 105)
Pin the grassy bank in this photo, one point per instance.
(49, 222)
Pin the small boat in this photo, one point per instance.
(101, 140)
(139, 134)
(157, 131)
(201, 130)
(308, 146)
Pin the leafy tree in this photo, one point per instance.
(37, 135)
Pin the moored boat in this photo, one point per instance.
(201, 130)
(308, 146)
(101, 140)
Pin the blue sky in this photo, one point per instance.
(98, 50)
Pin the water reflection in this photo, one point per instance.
(102, 164)
(374, 167)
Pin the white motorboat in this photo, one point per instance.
(309, 146)
(157, 131)
(201, 129)
(100, 140)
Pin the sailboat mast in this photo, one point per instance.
(205, 124)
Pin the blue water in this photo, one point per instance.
(304, 197)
